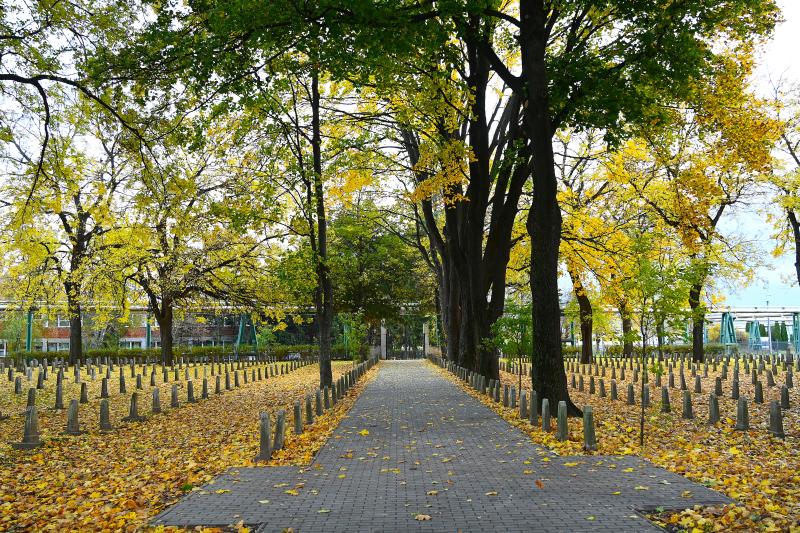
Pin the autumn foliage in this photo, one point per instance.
(760, 472)
(119, 480)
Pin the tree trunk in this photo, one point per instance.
(453, 326)
(474, 256)
(544, 218)
(441, 313)
(585, 317)
(627, 343)
(75, 322)
(477, 320)
(795, 225)
(660, 338)
(166, 319)
(627, 329)
(698, 320)
(324, 293)
(467, 349)
(487, 361)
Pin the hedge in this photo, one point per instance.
(678, 349)
(277, 351)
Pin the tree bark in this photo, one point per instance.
(324, 292)
(75, 334)
(698, 320)
(166, 318)
(476, 322)
(441, 312)
(627, 329)
(474, 255)
(75, 322)
(794, 223)
(585, 317)
(660, 338)
(544, 218)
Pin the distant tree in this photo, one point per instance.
(374, 269)
(196, 229)
(68, 208)
(512, 333)
(691, 169)
(786, 178)
(15, 329)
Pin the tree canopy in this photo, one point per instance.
(375, 159)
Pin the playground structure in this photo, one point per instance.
(41, 331)
(767, 329)
(743, 329)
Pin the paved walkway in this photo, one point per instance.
(434, 450)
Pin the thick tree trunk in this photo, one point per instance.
(585, 317)
(75, 323)
(698, 320)
(544, 218)
(476, 323)
(487, 361)
(454, 316)
(473, 257)
(324, 292)
(627, 343)
(166, 319)
(75, 337)
(466, 343)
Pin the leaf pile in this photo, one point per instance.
(759, 471)
(119, 480)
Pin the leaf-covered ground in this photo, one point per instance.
(118, 480)
(759, 471)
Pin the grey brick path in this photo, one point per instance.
(426, 435)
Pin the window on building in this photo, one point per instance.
(62, 321)
(130, 344)
(58, 346)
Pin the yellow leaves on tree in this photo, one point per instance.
(445, 167)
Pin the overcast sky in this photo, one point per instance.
(779, 59)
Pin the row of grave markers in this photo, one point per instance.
(784, 362)
(492, 388)
(754, 366)
(217, 369)
(22, 365)
(324, 399)
(758, 368)
(742, 413)
(31, 434)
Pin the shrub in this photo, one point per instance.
(615, 350)
(277, 351)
